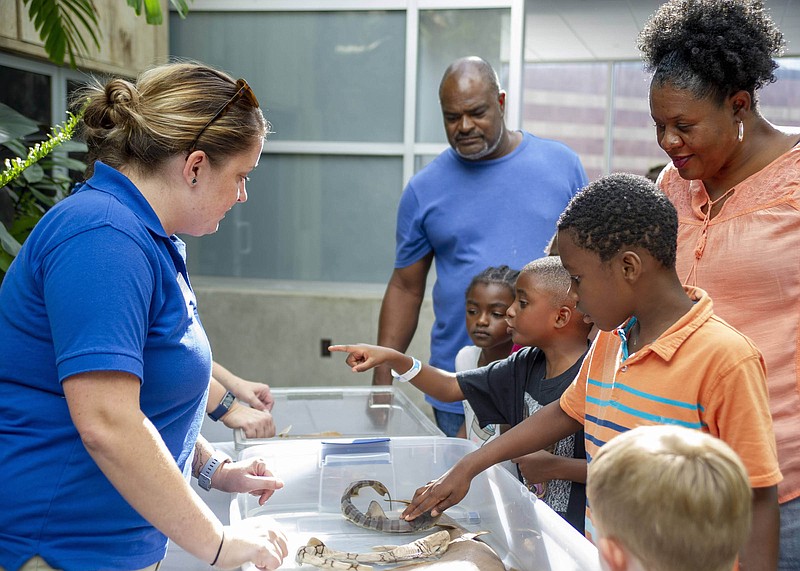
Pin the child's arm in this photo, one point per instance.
(760, 551)
(437, 383)
(542, 466)
(550, 424)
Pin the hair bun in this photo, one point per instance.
(122, 101)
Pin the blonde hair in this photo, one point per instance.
(142, 125)
(552, 276)
(677, 499)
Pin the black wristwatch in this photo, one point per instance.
(223, 407)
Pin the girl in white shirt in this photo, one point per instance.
(488, 296)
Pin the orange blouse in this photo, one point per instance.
(748, 259)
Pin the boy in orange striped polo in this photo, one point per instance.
(661, 357)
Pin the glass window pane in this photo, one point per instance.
(318, 218)
(446, 35)
(27, 93)
(320, 76)
(568, 103)
(635, 148)
(421, 161)
(780, 101)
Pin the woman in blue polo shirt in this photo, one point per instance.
(104, 364)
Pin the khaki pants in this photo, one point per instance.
(36, 563)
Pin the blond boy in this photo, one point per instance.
(668, 498)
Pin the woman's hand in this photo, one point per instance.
(258, 540)
(257, 395)
(255, 423)
(247, 476)
(363, 357)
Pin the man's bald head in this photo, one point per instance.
(473, 67)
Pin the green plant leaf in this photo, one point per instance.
(16, 147)
(8, 242)
(42, 197)
(11, 192)
(136, 5)
(63, 25)
(152, 9)
(73, 147)
(5, 263)
(33, 174)
(182, 6)
(14, 125)
(152, 12)
(65, 162)
(24, 225)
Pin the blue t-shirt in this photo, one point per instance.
(475, 214)
(98, 286)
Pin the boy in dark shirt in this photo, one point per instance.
(508, 391)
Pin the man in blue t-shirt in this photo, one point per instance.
(493, 198)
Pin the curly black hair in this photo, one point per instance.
(714, 48)
(501, 275)
(620, 210)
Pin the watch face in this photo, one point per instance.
(210, 467)
(223, 407)
(204, 482)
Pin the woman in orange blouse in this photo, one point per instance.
(735, 181)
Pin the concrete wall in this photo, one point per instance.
(271, 331)
(127, 46)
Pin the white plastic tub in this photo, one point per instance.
(525, 532)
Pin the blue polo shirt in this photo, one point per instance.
(98, 286)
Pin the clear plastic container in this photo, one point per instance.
(342, 412)
(524, 532)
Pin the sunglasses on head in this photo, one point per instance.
(243, 91)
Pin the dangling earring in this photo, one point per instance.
(194, 180)
(741, 131)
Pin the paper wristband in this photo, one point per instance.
(410, 374)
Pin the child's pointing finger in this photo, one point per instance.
(354, 358)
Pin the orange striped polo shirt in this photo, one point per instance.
(701, 373)
(748, 259)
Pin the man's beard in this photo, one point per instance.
(486, 150)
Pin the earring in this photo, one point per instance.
(194, 180)
(741, 131)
